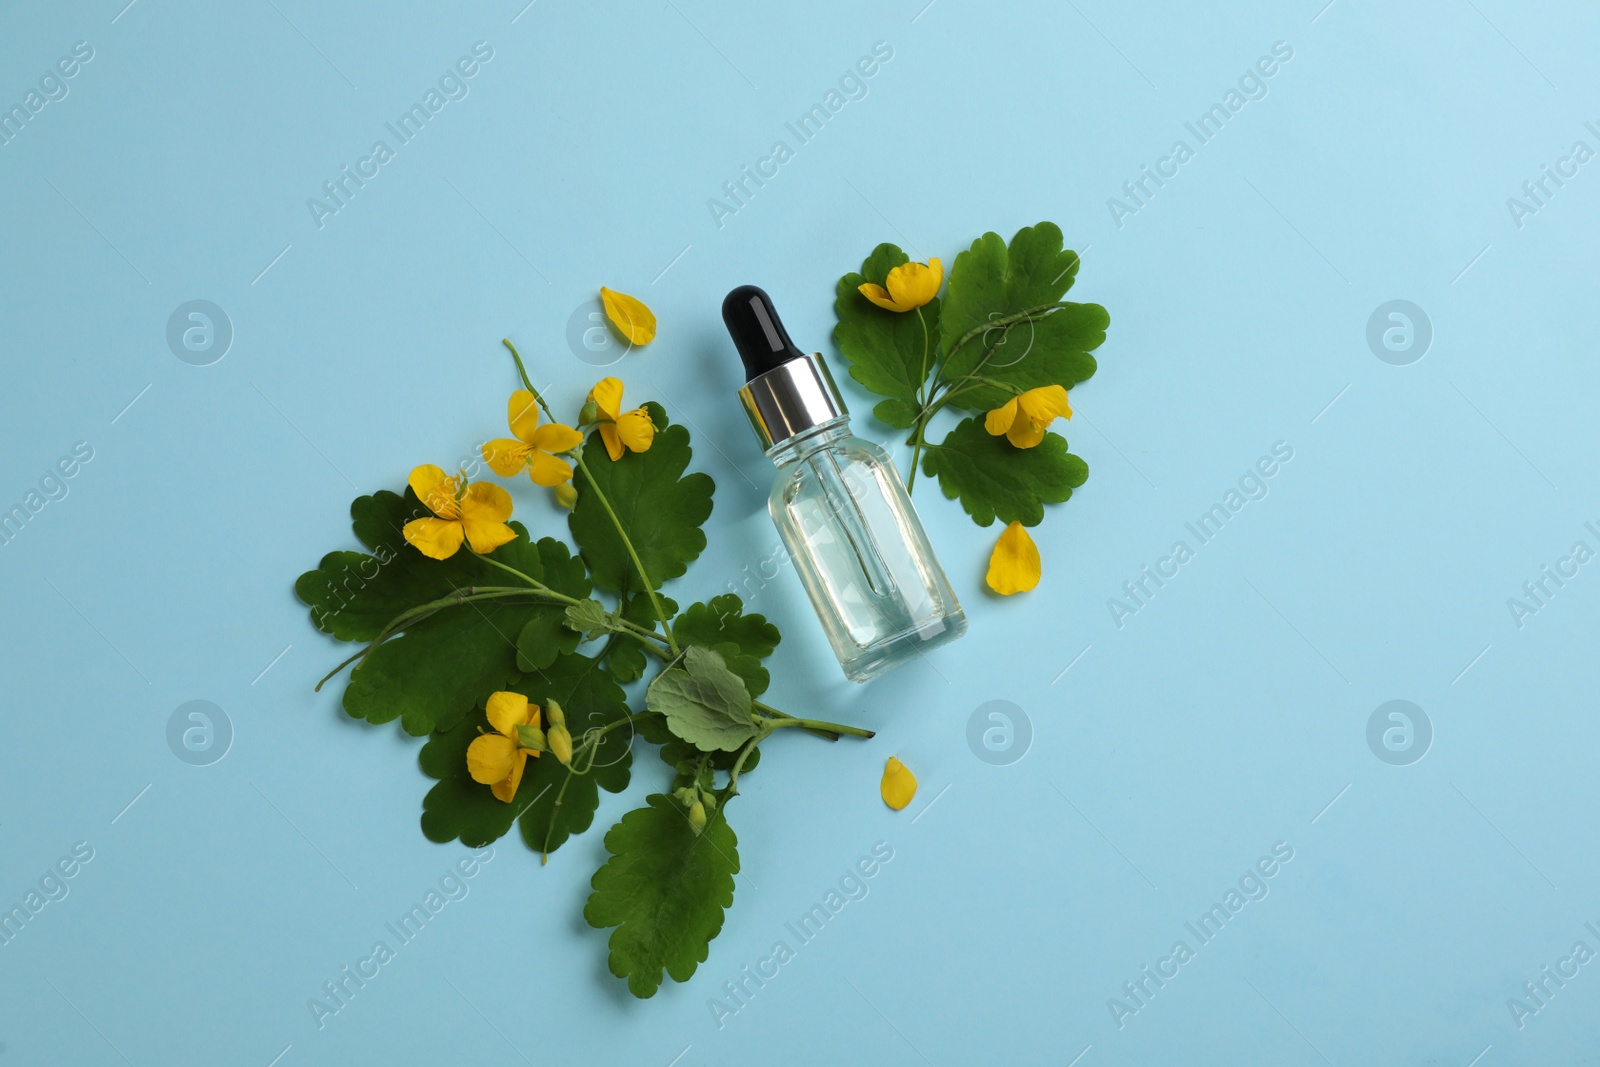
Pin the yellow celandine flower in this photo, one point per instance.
(475, 513)
(909, 286)
(1014, 565)
(1024, 419)
(619, 428)
(536, 447)
(497, 760)
(899, 785)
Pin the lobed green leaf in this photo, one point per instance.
(995, 479)
(665, 890)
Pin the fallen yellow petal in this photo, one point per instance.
(629, 315)
(1014, 565)
(899, 785)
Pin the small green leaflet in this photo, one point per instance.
(703, 702)
(665, 889)
(659, 506)
(994, 479)
(589, 618)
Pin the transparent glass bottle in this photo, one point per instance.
(839, 505)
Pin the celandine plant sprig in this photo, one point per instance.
(500, 650)
(1002, 344)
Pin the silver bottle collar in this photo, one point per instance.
(790, 399)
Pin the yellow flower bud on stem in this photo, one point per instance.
(531, 738)
(561, 743)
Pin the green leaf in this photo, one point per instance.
(679, 754)
(665, 889)
(995, 479)
(703, 702)
(890, 352)
(458, 807)
(589, 618)
(543, 639)
(897, 413)
(443, 665)
(1048, 349)
(743, 641)
(659, 507)
(354, 595)
(626, 661)
(992, 281)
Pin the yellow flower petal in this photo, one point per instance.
(1014, 565)
(1025, 433)
(506, 456)
(607, 396)
(434, 538)
(1046, 404)
(486, 502)
(631, 318)
(506, 790)
(435, 488)
(546, 469)
(507, 711)
(635, 429)
(899, 785)
(485, 507)
(556, 438)
(880, 296)
(912, 285)
(611, 439)
(522, 413)
(490, 758)
(1001, 418)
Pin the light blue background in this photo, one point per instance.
(1224, 717)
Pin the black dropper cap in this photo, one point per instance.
(757, 331)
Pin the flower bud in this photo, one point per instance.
(561, 743)
(531, 738)
(697, 817)
(566, 495)
(588, 413)
(554, 713)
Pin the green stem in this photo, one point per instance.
(633, 554)
(922, 403)
(577, 454)
(781, 718)
(732, 788)
(818, 724)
